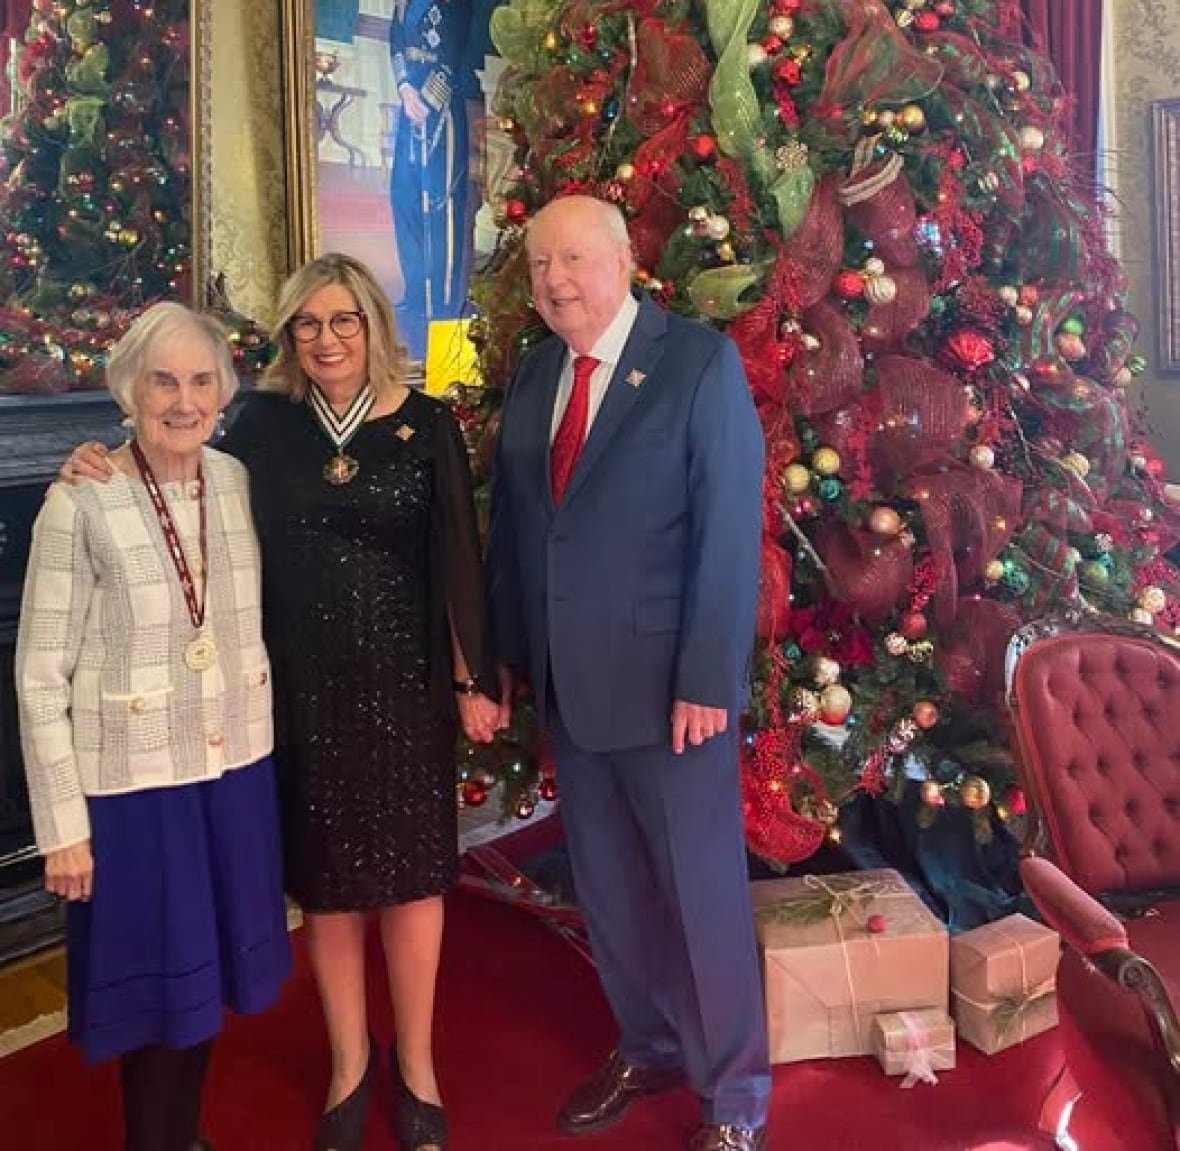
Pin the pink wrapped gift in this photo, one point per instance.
(915, 1044)
(1003, 982)
(838, 950)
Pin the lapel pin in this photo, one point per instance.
(635, 377)
(404, 432)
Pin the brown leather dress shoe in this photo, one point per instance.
(604, 1097)
(728, 1137)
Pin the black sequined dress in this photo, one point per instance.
(357, 582)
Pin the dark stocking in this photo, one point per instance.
(162, 1096)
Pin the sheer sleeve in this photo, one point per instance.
(458, 551)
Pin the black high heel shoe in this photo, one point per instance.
(419, 1126)
(343, 1128)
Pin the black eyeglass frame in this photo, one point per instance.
(305, 321)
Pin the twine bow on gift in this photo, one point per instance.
(1015, 1008)
(920, 1051)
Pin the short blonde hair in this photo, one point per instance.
(387, 355)
(161, 322)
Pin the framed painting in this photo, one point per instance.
(395, 158)
(1165, 124)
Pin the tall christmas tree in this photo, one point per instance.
(876, 200)
(94, 185)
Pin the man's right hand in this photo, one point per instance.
(88, 461)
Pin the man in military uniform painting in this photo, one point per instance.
(427, 42)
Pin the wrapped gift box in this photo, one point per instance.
(915, 1044)
(1003, 982)
(838, 950)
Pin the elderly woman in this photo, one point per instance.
(145, 711)
(374, 616)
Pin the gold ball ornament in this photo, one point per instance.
(1023, 314)
(874, 266)
(912, 119)
(982, 457)
(881, 289)
(975, 792)
(796, 479)
(925, 714)
(1077, 463)
(782, 27)
(717, 228)
(931, 793)
(1141, 615)
(1032, 139)
(825, 670)
(826, 461)
(884, 521)
(1009, 294)
(1152, 599)
(625, 172)
(835, 703)
(896, 643)
(756, 56)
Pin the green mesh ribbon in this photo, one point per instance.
(716, 292)
(518, 30)
(737, 115)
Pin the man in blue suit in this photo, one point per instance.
(623, 565)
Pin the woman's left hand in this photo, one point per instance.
(480, 717)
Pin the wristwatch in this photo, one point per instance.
(465, 686)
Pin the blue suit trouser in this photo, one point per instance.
(659, 864)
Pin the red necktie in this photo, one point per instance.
(572, 429)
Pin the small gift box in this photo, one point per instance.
(915, 1044)
(837, 950)
(1003, 982)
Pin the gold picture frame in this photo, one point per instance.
(1165, 129)
(347, 133)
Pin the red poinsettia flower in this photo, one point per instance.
(833, 629)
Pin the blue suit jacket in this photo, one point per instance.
(641, 587)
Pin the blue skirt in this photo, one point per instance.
(187, 915)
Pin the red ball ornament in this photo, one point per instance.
(704, 146)
(927, 21)
(912, 625)
(925, 714)
(1015, 801)
(848, 284)
(474, 793)
(772, 44)
(877, 924)
(547, 789)
(516, 211)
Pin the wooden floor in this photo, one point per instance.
(32, 999)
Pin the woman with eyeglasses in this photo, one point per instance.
(374, 615)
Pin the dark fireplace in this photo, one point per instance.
(36, 434)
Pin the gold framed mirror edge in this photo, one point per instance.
(297, 24)
(200, 153)
(1165, 133)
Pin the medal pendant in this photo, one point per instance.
(200, 654)
(340, 469)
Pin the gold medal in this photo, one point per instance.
(341, 469)
(200, 654)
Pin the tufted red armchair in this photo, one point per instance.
(1096, 718)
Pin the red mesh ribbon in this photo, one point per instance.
(652, 224)
(670, 78)
(879, 202)
(757, 335)
(974, 649)
(1053, 576)
(774, 829)
(1003, 145)
(887, 325)
(969, 514)
(924, 411)
(774, 591)
(829, 376)
(816, 249)
(873, 64)
(868, 572)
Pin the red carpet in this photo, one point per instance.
(521, 1019)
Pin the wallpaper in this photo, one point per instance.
(1146, 61)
